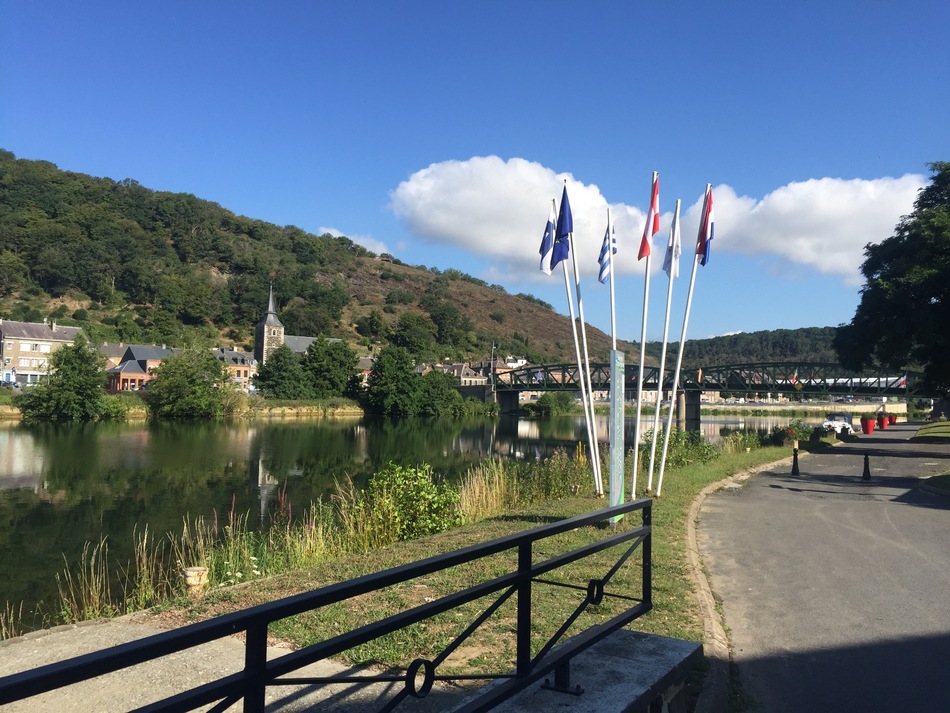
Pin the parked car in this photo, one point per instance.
(9, 385)
(840, 423)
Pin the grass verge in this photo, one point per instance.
(675, 611)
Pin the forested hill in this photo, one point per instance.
(810, 344)
(127, 263)
(131, 264)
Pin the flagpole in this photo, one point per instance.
(643, 354)
(676, 377)
(666, 332)
(580, 374)
(649, 230)
(589, 403)
(703, 239)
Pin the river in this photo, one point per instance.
(61, 487)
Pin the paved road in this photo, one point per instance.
(836, 590)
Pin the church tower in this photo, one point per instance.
(269, 332)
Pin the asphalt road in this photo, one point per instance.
(835, 590)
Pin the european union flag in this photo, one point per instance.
(565, 226)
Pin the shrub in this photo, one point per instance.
(406, 503)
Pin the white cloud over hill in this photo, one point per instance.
(497, 209)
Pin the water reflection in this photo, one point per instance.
(61, 487)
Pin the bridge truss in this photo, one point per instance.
(807, 378)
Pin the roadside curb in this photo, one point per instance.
(714, 697)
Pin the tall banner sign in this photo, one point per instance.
(616, 427)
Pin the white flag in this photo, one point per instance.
(671, 263)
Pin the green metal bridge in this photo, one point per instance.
(806, 378)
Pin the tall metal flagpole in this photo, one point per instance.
(705, 218)
(598, 487)
(649, 230)
(671, 265)
(589, 400)
(560, 246)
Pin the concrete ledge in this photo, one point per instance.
(624, 673)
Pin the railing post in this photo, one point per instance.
(523, 652)
(647, 555)
(255, 662)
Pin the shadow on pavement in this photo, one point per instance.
(907, 674)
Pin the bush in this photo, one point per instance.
(406, 503)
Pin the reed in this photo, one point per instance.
(87, 592)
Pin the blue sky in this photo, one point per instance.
(441, 131)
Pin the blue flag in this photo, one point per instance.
(606, 250)
(565, 226)
(547, 243)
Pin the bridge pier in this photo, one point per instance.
(687, 410)
(507, 401)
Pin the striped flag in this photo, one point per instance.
(652, 226)
(606, 250)
(671, 263)
(547, 243)
(706, 228)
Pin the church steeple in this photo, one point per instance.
(271, 319)
(269, 332)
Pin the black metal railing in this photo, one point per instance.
(419, 675)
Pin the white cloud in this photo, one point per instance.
(497, 209)
(367, 241)
(822, 223)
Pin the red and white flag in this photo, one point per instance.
(652, 226)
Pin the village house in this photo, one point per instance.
(25, 348)
(135, 367)
(241, 366)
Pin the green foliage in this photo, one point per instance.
(72, 392)
(328, 368)
(371, 325)
(552, 403)
(407, 503)
(438, 395)
(282, 376)
(685, 448)
(13, 273)
(393, 385)
(904, 311)
(415, 333)
(797, 430)
(192, 384)
(806, 344)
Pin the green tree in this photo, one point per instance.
(282, 377)
(904, 311)
(73, 390)
(192, 384)
(415, 333)
(13, 272)
(371, 325)
(328, 366)
(393, 387)
(438, 395)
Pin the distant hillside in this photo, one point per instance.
(130, 264)
(810, 344)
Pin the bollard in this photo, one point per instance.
(795, 457)
(867, 468)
